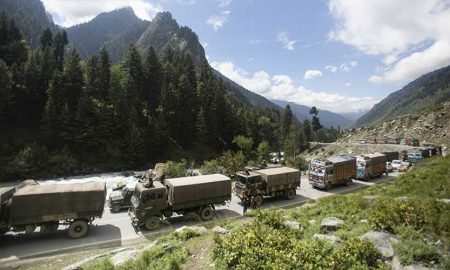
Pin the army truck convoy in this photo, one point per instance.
(75, 206)
(49, 206)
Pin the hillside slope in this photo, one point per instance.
(419, 95)
(431, 126)
(327, 118)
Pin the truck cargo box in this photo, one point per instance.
(198, 190)
(280, 176)
(44, 203)
(344, 167)
(390, 156)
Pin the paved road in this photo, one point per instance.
(115, 229)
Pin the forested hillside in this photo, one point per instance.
(60, 115)
(424, 93)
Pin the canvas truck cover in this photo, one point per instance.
(280, 176)
(42, 203)
(5, 194)
(390, 156)
(203, 188)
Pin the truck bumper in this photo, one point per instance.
(134, 220)
(317, 184)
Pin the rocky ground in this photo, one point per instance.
(429, 127)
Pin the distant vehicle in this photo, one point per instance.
(370, 165)
(276, 157)
(324, 173)
(48, 206)
(154, 200)
(389, 166)
(361, 141)
(274, 182)
(396, 164)
(120, 199)
(417, 155)
(390, 156)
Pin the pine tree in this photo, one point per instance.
(105, 75)
(153, 80)
(59, 42)
(46, 38)
(73, 80)
(307, 130)
(287, 121)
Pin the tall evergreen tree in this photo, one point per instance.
(105, 75)
(73, 80)
(153, 80)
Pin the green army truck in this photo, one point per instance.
(48, 206)
(155, 200)
(273, 182)
(325, 173)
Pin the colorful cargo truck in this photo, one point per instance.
(325, 173)
(273, 182)
(155, 200)
(370, 165)
(48, 206)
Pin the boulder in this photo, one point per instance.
(293, 224)
(220, 230)
(330, 238)
(382, 241)
(370, 198)
(312, 221)
(447, 201)
(331, 223)
(122, 257)
(396, 265)
(200, 230)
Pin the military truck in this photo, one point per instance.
(274, 182)
(325, 173)
(48, 206)
(155, 200)
(370, 165)
(120, 199)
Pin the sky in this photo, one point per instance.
(338, 55)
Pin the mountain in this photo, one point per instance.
(424, 93)
(327, 118)
(353, 116)
(31, 18)
(115, 30)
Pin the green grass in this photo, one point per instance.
(407, 206)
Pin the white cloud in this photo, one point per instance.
(311, 74)
(331, 68)
(346, 67)
(205, 45)
(217, 21)
(282, 87)
(287, 43)
(224, 3)
(402, 32)
(353, 63)
(71, 12)
(348, 84)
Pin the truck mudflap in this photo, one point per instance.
(134, 220)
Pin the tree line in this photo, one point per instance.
(60, 115)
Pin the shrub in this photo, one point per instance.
(175, 169)
(186, 234)
(210, 167)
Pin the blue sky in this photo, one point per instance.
(338, 55)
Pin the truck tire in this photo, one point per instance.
(257, 201)
(78, 228)
(152, 223)
(116, 207)
(206, 213)
(290, 194)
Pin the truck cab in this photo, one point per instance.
(248, 183)
(120, 199)
(148, 201)
(321, 173)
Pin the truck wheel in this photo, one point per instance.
(206, 213)
(290, 194)
(116, 207)
(151, 223)
(78, 228)
(257, 201)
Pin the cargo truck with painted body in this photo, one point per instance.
(325, 173)
(49, 206)
(273, 182)
(154, 200)
(370, 165)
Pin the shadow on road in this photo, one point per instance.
(22, 246)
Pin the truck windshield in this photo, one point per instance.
(242, 180)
